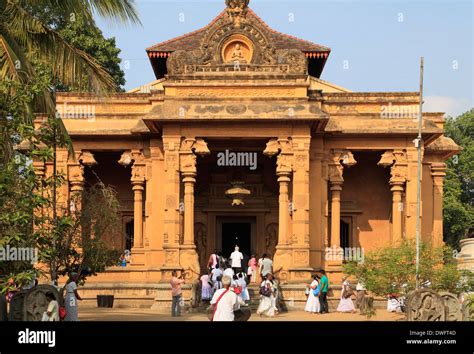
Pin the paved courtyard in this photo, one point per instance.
(135, 314)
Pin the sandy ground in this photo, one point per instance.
(133, 314)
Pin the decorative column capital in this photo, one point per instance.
(137, 186)
(397, 159)
(283, 149)
(284, 176)
(86, 158)
(76, 177)
(337, 160)
(438, 170)
(189, 149)
(189, 177)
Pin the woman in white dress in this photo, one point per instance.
(71, 298)
(206, 289)
(312, 304)
(243, 283)
(267, 304)
(345, 303)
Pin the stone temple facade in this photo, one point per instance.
(238, 140)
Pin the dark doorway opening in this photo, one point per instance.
(236, 234)
(345, 241)
(129, 235)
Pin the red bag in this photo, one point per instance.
(62, 313)
(237, 290)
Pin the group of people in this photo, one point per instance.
(317, 292)
(54, 311)
(225, 286)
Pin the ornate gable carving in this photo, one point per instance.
(239, 42)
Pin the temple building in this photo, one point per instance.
(239, 141)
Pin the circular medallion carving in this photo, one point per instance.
(237, 48)
(236, 109)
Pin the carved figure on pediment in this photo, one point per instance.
(237, 10)
(238, 54)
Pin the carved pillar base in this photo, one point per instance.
(189, 261)
(171, 262)
(282, 260)
(300, 270)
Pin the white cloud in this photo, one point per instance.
(450, 105)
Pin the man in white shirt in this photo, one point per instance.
(236, 258)
(227, 302)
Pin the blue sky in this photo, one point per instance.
(376, 45)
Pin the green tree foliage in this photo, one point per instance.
(26, 201)
(391, 270)
(86, 37)
(459, 184)
(18, 200)
(24, 37)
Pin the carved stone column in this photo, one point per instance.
(189, 179)
(138, 186)
(438, 172)
(300, 249)
(283, 211)
(282, 148)
(190, 147)
(398, 162)
(338, 159)
(411, 193)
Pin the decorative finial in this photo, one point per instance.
(237, 9)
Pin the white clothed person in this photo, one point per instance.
(53, 309)
(393, 305)
(345, 305)
(229, 272)
(267, 305)
(236, 258)
(245, 292)
(228, 303)
(216, 272)
(312, 304)
(267, 266)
